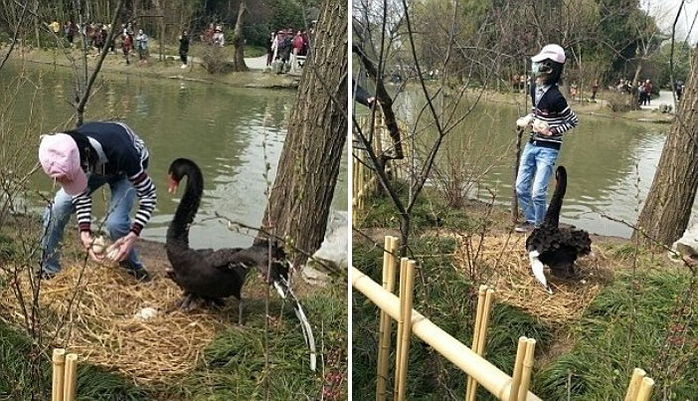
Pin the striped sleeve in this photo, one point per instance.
(569, 121)
(83, 210)
(145, 188)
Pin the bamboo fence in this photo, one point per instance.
(469, 360)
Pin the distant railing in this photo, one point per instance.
(364, 179)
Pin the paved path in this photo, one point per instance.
(256, 63)
(665, 97)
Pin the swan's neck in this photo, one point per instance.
(178, 232)
(552, 215)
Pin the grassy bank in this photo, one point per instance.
(638, 317)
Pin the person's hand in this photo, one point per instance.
(541, 127)
(87, 241)
(122, 247)
(524, 121)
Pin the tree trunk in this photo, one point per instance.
(238, 40)
(668, 207)
(307, 173)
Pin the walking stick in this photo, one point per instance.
(514, 199)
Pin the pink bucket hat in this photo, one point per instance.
(60, 159)
(552, 52)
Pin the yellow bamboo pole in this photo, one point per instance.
(385, 320)
(476, 332)
(400, 323)
(484, 372)
(482, 335)
(634, 386)
(58, 361)
(407, 330)
(645, 391)
(518, 369)
(70, 381)
(527, 368)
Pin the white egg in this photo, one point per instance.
(98, 245)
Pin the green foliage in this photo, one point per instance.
(428, 212)
(94, 383)
(445, 296)
(682, 64)
(624, 328)
(234, 366)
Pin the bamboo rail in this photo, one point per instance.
(640, 387)
(485, 373)
(403, 340)
(64, 377)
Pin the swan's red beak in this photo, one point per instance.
(172, 184)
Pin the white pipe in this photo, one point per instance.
(489, 376)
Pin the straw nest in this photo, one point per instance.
(502, 262)
(104, 325)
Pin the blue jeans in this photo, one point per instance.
(118, 223)
(536, 167)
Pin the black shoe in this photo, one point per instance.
(138, 272)
(44, 275)
(525, 227)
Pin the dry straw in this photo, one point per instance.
(102, 325)
(503, 264)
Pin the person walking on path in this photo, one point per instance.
(126, 45)
(184, 47)
(270, 48)
(550, 118)
(594, 89)
(648, 92)
(142, 45)
(82, 161)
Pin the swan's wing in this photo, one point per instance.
(227, 259)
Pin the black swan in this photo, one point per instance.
(557, 247)
(210, 276)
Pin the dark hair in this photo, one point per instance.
(88, 155)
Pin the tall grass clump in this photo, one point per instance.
(630, 324)
(234, 363)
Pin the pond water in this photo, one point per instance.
(223, 129)
(610, 161)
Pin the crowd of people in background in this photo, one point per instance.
(286, 47)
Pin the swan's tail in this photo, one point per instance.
(283, 287)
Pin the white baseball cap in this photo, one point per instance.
(552, 52)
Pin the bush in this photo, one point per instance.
(621, 102)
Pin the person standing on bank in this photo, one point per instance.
(184, 47)
(81, 161)
(550, 118)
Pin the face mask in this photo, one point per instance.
(538, 68)
(535, 68)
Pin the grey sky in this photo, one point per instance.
(665, 12)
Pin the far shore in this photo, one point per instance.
(169, 68)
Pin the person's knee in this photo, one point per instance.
(539, 195)
(117, 226)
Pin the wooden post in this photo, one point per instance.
(400, 322)
(70, 380)
(406, 299)
(390, 245)
(482, 334)
(518, 369)
(638, 375)
(476, 333)
(527, 368)
(645, 391)
(58, 361)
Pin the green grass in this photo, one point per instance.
(16, 383)
(255, 51)
(621, 331)
(447, 299)
(428, 212)
(234, 363)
